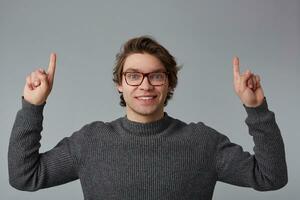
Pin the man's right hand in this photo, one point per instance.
(39, 83)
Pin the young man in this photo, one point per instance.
(146, 154)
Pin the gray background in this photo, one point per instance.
(202, 35)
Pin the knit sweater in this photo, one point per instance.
(165, 159)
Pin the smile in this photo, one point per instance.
(146, 98)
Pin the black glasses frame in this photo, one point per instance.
(145, 75)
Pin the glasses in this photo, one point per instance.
(154, 78)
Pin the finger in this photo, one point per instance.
(250, 83)
(37, 77)
(35, 82)
(28, 83)
(51, 67)
(257, 81)
(254, 82)
(245, 77)
(42, 77)
(236, 67)
(42, 71)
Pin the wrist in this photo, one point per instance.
(28, 103)
(262, 107)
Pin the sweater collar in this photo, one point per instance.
(146, 129)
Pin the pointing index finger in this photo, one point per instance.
(236, 67)
(52, 66)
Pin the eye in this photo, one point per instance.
(133, 76)
(157, 76)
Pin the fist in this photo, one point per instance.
(39, 83)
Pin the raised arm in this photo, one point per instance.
(28, 169)
(266, 169)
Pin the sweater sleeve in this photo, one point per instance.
(30, 170)
(266, 169)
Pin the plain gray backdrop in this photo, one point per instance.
(202, 35)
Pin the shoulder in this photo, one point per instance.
(205, 132)
(196, 129)
(91, 129)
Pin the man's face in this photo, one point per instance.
(144, 103)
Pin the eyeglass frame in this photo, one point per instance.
(146, 75)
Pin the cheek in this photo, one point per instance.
(127, 93)
(164, 91)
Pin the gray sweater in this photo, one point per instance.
(165, 159)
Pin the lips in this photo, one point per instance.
(147, 99)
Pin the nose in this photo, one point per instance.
(145, 85)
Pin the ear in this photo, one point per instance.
(119, 87)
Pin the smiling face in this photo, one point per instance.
(144, 103)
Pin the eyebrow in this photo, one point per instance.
(136, 70)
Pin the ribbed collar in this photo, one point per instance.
(146, 129)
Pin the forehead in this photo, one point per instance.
(143, 62)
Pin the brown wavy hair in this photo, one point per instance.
(146, 44)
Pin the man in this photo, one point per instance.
(146, 154)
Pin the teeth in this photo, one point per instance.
(145, 98)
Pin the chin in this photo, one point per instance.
(147, 111)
